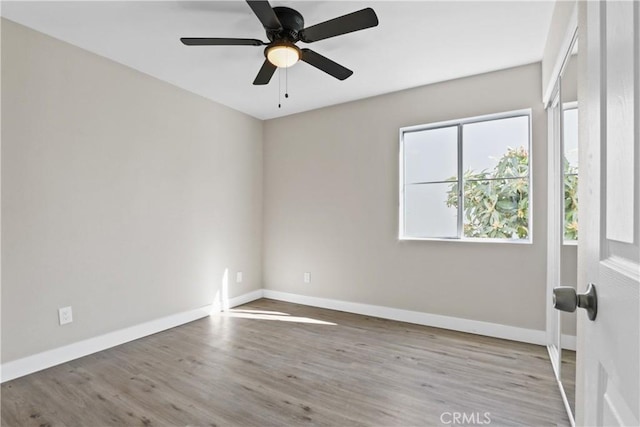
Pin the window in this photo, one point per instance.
(570, 171)
(466, 179)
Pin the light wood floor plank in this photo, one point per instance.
(303, 366)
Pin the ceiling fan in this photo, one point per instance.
(285, 27)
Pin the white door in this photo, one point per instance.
(608, 375)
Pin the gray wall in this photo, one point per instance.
(331, 208)
(127, 198)
(122, 196)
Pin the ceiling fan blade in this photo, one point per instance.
(265, 73)
(325, 64)
(265, 14)
(199, 41)
(360, 20)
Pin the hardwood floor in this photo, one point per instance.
(568, 375)
(270, 363)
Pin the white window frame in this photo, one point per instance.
(459, 123)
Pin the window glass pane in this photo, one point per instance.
(496, 148)
(570, 139)
(497, 209)
(495, 180)
(426, 210)
(431, 155)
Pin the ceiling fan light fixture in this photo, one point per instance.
(283, 55)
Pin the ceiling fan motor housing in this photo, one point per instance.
(292, 23)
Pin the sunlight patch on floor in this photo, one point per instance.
(277, 313)
(273, 315)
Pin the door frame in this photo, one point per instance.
(555, 199)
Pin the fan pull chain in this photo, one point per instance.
(286, 82)
(279, 88)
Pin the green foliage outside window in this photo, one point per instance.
(570, 202)
(499, 208)
(496, 202)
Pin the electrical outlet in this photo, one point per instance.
(65, 315)
(239, 277)
(307, 277)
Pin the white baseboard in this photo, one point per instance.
(46, 359)
(246, 298)
(495, 330)
(37, 362)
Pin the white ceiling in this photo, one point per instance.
(416, 43)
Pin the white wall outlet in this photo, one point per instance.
(65, 315)
(307, 277)
(239, 277)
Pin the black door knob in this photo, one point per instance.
(565, 298)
